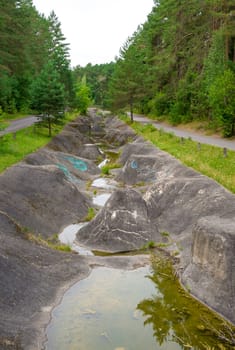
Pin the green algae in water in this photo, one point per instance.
(135, 310)
(99, 313)
(177, 316)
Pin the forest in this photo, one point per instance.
(178, 66)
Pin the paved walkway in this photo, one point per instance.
(198, 137)
(19, 124)
(210, 140)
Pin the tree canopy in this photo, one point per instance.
(29, 41)
(176, 66)
(172, 63)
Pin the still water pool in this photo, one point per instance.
(134, 310)
(100, 313)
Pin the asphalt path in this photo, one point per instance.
(195, 136)
(19, 124)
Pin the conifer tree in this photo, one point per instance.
(48, 95)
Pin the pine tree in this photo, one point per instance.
(48, 95)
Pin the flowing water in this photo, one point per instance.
(68, 235)
(101, 199)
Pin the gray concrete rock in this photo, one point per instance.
(137, 169)
(68, 141)
(117, 132)
(81, 124)
(123, 224)
(177, 203)
(40, 198)
(74, 167)
(90, 151)
(211, 272)
(145, 163)
(138, 147)
(30, 277)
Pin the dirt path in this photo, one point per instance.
(198, 137)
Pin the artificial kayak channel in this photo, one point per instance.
(145, 308)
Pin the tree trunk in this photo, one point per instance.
(49, 126)
(131, 109)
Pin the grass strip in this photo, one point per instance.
(206, 159)
(14, 147)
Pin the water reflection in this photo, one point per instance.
(174, 315)
(135, 310)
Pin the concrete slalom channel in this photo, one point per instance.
(126, 292)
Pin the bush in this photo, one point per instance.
(160, 105)
(222, 101)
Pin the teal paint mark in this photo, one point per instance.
(64, 169)
(67, 173)
(134, 164)
(77, 163)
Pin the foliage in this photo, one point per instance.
(13, 148)
(29, 41)
(167, 67)
(82, 98)
(176, 316)
(97, 79)
(48, 95)
(49, 243)
(222, 101)
(105, 170)
(149, 245)
(90, 215)
(129, 79)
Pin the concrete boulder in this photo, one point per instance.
(90, 151)
(40, 198)
(121, 225)
(74, 167)
(117, 132)
(145, 163)
(211, 272)
(176, 205)
(138, 147)
(68, 141)
(30, 277)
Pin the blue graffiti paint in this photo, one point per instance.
(64, 169)
(134, 164)
(77, 163)
(69, 176)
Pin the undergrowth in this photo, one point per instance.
(50, 242)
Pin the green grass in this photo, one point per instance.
(14, 116)
(105, 170)
(209, 160)
(90, 215)
(14, 147)
(51, 243)
(3, 124)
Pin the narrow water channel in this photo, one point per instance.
(146, 308)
